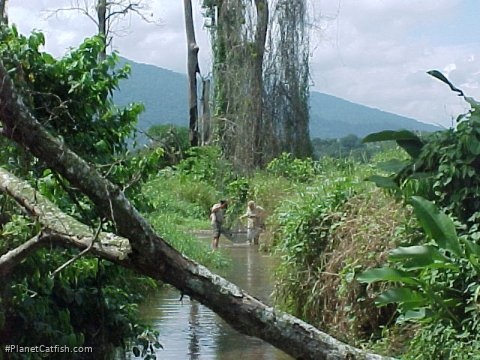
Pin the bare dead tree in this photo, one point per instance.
(152, 256)
(107, 14)
(261, 75)
(192, 70)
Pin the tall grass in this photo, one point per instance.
(180, 206)
(321, 232)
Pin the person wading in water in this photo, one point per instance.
(256, 222)
(217, 216)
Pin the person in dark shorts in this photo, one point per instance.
(217, 216)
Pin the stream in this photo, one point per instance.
(189, 330)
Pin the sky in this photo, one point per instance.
(372, 52)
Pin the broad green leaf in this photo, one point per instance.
(400, 295)
(411, 146)
(473, 254)
(391, 135)
(472, 248)
(474, 146)
(386, 274)
(437, 74)
(436, 224)
(410, 142)
(393, 165)
(417, 265)
(383, 182)
(412, 315)
(421, 175)
(419, 256)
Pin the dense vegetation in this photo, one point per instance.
(394, 268)
(424, 269)
(91, 302)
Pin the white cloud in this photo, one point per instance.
(375, 56)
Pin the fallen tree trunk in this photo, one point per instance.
(59, 228)
(152, 256)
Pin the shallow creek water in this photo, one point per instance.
(189, 330)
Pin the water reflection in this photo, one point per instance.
(189, 330)
(194, 346)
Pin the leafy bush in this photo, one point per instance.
(177, 195)
(43, 310)
(206, 164)
(438, 272)
(172, 139)
(443, 167)
(303, 227)
(292, 168)
(71, 98)
(438, 281)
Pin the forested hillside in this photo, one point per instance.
(163, 92)
(332, 117)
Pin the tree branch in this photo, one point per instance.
(80, 254)
(60, 228)
(15, 256)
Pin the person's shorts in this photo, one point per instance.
(217, 229)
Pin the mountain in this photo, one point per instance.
(163, 92)
(165, 96)
(332, 117)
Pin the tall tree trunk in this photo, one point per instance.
(3, 12)
(152, 256)
(206, 117)
(192, 70)
(259, 135)
(102, 26)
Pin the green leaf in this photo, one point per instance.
(410, 142)
(436, 224)
(412, 315)
(472, 248)
(473, 146)
(393, 165)
(387, 135)
(437, 74)
(400, 295)
(473, 254)
(383, 182)
(420, 256)
(386, 274)
(412, 147)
